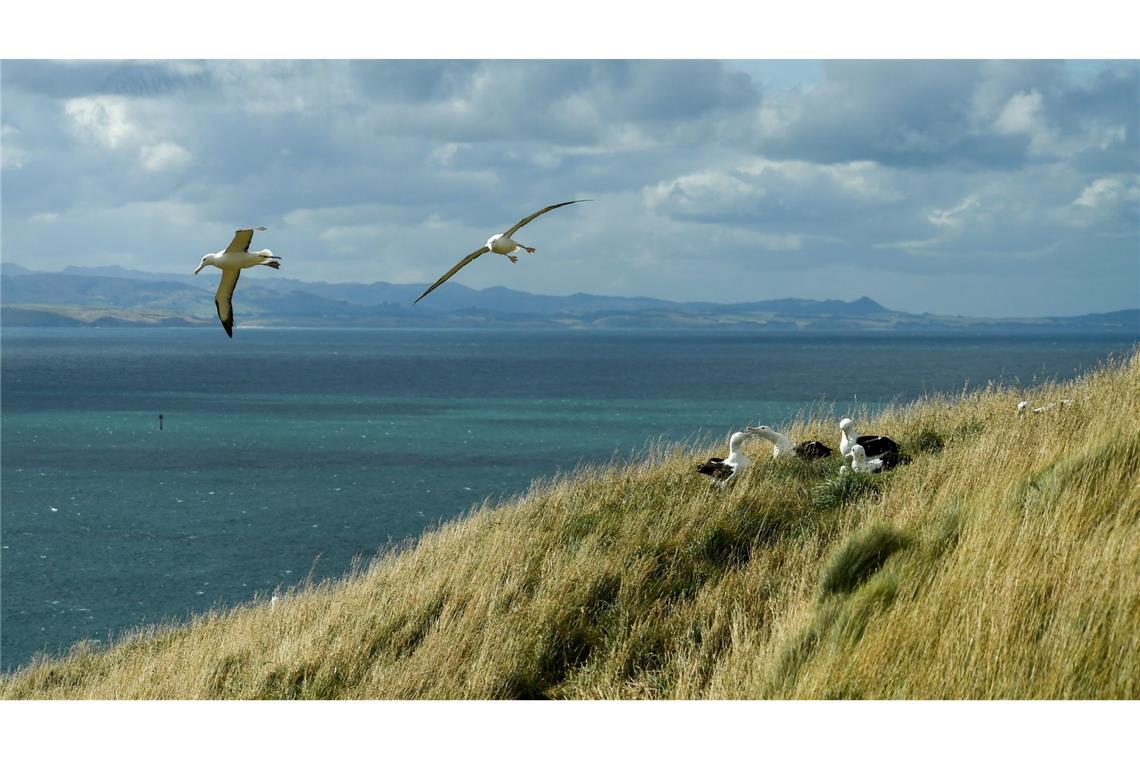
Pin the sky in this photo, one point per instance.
(988, 188)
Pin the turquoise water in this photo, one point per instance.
(289, 452)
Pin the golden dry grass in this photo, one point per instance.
(1003, 562)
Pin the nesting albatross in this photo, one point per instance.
(231, 261)
(887, 460)
(500, 244)
(873, 445)
(731, 466)
(782, 445)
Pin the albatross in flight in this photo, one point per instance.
(500, 244)
(231, 261)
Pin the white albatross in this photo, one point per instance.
(860, 462)
(501, 244)
(1023, 405)
(873, 445)
(729, 467)
(782, 445)
(231, 261)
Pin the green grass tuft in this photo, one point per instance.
(860, 558)
(927, 442)
(840, 490)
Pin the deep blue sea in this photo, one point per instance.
(288, 452)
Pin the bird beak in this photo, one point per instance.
(199, 269)
(752, 430)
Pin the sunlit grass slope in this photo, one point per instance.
(1004, 562)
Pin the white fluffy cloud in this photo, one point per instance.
(163, 156)
(101, 118)
(1107, 192)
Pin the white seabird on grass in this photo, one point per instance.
(1023, 405)
(501, 244)
(231, 261)
(873, 445)
(782, 445)
(729, 467)
(887, 460)
(860, 462)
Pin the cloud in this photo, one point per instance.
(953, 217)
(781, 193)
(1109, 207)
(1021, 114)
(102, 118)
(969, 114)
(1107, 192)
(11, 157)
(864, 178)
(163, 156)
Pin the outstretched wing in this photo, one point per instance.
(241, 241)
(518, 226)
(467, 260)
(223, 299)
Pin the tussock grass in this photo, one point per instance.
(838, 491)
(860, 558)
(1001, 563)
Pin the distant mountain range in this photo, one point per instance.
(114, 296)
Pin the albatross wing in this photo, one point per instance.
(811, 450)
(241, 241)
(467, 260)
(876, 445)
(519, 225)
(223, 299)
(715, 467)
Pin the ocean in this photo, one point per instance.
(285, 453)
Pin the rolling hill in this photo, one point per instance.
(107, 296)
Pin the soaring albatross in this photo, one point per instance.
(501, 244)
(782, 445)
(729, 467)
(873, 445)
(231, 261)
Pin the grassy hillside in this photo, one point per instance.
(1004, 562)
